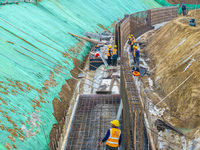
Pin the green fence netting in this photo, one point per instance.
(189, 6)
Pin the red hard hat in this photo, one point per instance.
(96, 55)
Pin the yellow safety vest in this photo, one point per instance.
(114, 51)
(133, 41)
(113, 140)
(108, 54)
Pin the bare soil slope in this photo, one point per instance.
(175, 50)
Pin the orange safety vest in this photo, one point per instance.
(134, 52)
(114, 51)
(108, 54)
(113, 140)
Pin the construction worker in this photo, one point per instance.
(133, 41)
(109, 54)
(137, 56)
(113, 136)
(97, 47)
(129, 42)
(134, 58)
(114, 55)
(184, 9)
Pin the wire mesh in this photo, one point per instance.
(92, 120)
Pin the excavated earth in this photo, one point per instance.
(174, 52)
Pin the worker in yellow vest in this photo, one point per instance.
(132, 41)
(113, 136)
(109, 54)
(129, 42)
(114, 55)
(134, 56)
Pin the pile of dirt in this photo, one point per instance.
(185, 1)
(174, 51)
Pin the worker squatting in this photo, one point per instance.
(113, 137)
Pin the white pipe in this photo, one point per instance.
(119, 110)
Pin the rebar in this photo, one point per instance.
(92, 120)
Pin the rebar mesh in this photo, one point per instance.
(133, 119)
(92, 120)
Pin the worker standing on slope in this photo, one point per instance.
(113, 136)
(114, 55)
(109, 54)
(137, 55)
(184, 9)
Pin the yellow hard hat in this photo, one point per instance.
(115, 123)
(129, 37)
(136, 47)
(97, 45)
(109, 46)
(131, 34)
(115, 46)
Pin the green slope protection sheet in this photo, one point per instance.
(29, 83)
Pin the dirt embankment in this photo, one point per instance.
(185, 1)
(175, 50)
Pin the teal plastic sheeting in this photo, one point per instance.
(29, 85)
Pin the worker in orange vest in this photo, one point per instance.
(114, 55)
(109, 54)
(113, 136)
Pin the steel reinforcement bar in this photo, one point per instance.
(133, 115)
(133, 119)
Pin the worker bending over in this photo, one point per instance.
(113, 136)
(109, 54)
(114, 55)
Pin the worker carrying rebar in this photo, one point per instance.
(109, 54)
(114, 55)
(113, 137)
(184, 9)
